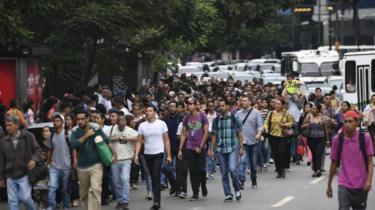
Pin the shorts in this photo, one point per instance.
(352, 198)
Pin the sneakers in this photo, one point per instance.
(193, 198)
(204, 191)
(238, 196)
(254, 184)
(150, 196)
(134, 186)
(242, 185)
(228, 198)
(182, 195)
(123, 206)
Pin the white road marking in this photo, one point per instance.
(283, 201)
(317, 180)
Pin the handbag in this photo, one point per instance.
(287, 132)
(105, 153)
(300, 148)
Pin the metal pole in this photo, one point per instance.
(319, 21)
(330, 29)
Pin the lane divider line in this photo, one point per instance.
(283, 201)
(317, 180)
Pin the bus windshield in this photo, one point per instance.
(310, 70)
(328, 68)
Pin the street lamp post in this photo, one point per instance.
(330, 9)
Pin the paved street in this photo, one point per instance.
(298, 191)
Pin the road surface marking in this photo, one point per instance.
(283, 201)
(317, 180)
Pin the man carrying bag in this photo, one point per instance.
(90, 159)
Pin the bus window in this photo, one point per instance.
(373, 75)
(350, 80)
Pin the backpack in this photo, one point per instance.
(362, 147)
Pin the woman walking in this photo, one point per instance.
(317, 136)
(153, 133)
(277, 126)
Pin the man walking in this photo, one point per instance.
(123, 139)
(19, 152)
(252, 131)
(227, 133)
(195, 133)
(354, 150)
(172, 120)
(59, 157)
(90, 169)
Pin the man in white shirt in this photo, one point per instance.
(104, 98)
(123, 139)
(120, 106)
(153, 133)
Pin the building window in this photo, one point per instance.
(350, 77)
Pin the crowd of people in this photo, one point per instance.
(181, 126)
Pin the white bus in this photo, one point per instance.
(359, 77)
(310, 63)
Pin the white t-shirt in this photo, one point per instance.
(179, 129)
(211, 120)
(125, 111)
(153, 136)
(107, 130)
(125, 151)
(106, 102)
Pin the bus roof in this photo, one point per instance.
(370, 52)
(313, 56)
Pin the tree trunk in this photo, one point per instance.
(91, 54)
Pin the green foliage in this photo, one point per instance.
(89, 36)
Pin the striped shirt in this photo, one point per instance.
(225, 129)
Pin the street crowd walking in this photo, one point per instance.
(99, 146)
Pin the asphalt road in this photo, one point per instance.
(298, 191)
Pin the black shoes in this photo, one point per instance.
(204, 191)
(238, 196)
(123, 206)
(254, 184)
(156, 206)
(193, 198)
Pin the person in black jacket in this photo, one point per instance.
(19, 152)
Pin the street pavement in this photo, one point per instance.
(296, 192)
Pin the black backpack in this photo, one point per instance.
(362, 147)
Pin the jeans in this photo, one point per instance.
(169, 171)
(252, 153)
(228, 165)
(242, 167)
(19, 190)
(280, 151)
(147, 174)
(317, 150)
(55, 176)
(263, 153)
(196, 164)
(210, 163)
(121, 180)
(154, 163)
